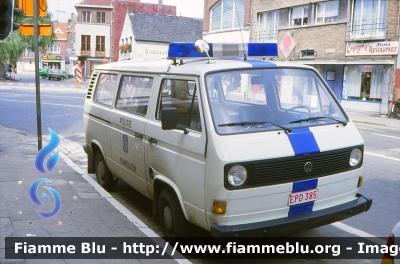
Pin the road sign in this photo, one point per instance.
(27, 30)
(27, 7)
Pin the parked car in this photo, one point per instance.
(57, 74)
(68, 75)
(44, 73)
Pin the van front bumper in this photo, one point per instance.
(289, 225)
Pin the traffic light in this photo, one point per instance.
(6, 18)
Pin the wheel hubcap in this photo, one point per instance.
(168, 220)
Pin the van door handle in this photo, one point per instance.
(152, 140)
(138, 135)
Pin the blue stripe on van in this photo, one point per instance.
(303, 141)
(302, 186)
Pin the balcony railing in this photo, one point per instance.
(373, 29)
(267, 36)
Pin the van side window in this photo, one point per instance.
(181, 94)
(105, 89)
(134, 94)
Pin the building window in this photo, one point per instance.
(86, 16)
(100, 44)
(227, 14)
(268, 26)
(54, 49)
(28, 54)
(298, 16)
(368, 20)
(327, 12)
(85, 46)
(101, 17)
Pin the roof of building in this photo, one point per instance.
(162, 28)
(60, 29)
(95, 2)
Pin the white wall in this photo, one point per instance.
(93, 30)
(233, 36)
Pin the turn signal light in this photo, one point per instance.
(360, 181)
(219, 207)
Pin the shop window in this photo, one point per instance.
(327, 12)
(363, 82)
(227, 14)
(298, 16)
(100, 44)
(101, 17)
(85, 44)
(86, 16)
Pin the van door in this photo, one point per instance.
(174, 155)
(128, 125)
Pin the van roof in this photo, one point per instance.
(191, 66)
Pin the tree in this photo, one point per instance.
(15, 45)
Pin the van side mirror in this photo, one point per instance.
(169, 119)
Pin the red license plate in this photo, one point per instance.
(303, 197)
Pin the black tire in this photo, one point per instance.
(103, 174)
(396, 112)
(172, 219)
(43, 77)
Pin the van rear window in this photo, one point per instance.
(105, 89)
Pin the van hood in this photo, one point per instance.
(276, 144)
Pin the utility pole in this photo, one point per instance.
(37, 81)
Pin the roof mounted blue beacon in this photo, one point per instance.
(201, 49)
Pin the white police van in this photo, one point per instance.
(238, 147)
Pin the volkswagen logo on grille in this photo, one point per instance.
(308, 167)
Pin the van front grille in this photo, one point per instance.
(292, 169)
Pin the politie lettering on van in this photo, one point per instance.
(236, 146)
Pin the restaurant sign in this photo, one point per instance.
(372, 48)
(51, 57)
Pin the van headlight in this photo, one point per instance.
(355, 157)
(237, 175)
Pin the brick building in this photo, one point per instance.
(352, 43)
(226, 21)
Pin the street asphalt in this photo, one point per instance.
(86, 210)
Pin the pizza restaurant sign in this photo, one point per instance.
(372, 48)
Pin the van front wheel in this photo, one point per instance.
(103, 174)
(172, 220)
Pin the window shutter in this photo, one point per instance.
(239, 13)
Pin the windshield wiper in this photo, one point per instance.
(255, 123)
(318, 118)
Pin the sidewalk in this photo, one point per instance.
(86, 209)
(374, 119)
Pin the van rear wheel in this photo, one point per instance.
(172, 219)
(103, 174)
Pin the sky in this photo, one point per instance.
(61, 9)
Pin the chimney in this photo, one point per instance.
(160, 7)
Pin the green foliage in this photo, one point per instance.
(12, 48)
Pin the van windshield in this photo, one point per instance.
(244, 101)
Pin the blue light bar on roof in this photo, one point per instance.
(223, 50)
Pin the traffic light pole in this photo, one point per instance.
(37, 80)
